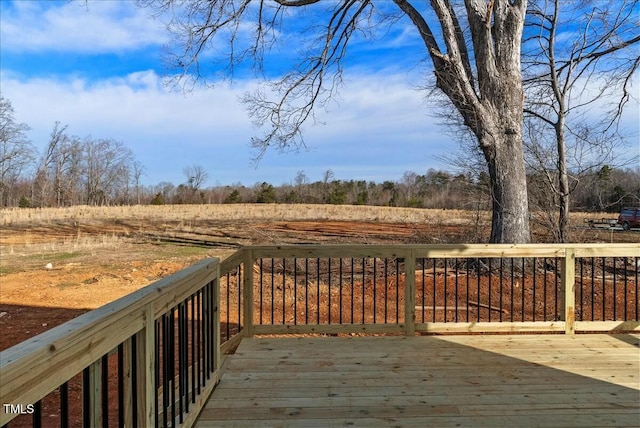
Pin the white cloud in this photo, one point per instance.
(78, 27)
(132, 104)
(378, 126)
(377, 129)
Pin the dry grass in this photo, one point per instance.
(79, 243)
(579, 217)
(17, 216)
(85, 227)
(300, 212)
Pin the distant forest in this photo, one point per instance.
(87, 171)
(607, 189)
(118, 183)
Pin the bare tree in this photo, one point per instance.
(16, 152)
(301, 179)
(74, 166)
(300, 182)
(107, 170)
(327, 177)
(566, 79)
(196, 176)
(476, 66)
(44, 182)
(138, 171)
(96, 172)
(59, 171)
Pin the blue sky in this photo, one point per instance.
(97, 67)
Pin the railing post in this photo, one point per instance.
(127, 377)
(410, 293)
(568, 276)
(145, 369)
(247, 292)
(216, 322)
(95, 394)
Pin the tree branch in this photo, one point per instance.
(308, 83)
(296, 3)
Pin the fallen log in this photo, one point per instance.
(491, 308)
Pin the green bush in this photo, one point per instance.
(158, 199)
(24, 203)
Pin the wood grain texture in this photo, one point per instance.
(505, 380)
(444, 250)
(33, 368)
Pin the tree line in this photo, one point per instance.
(89, 171)
(607, 189)
(70, 171)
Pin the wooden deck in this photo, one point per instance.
(474, 381)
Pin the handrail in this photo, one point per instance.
(566, 253)
(37, 366)
(445, 250)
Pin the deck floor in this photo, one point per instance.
(473, 381)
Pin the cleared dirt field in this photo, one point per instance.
(58, 263)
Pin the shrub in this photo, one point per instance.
(24, 203)
(158, 199)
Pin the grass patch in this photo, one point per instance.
(189, 215)
(54, 257)
(6, 270)
(183, 250)
(63, 256)
(66, 284)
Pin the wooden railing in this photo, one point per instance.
(536, 288)
(161, 348)
(137, 335)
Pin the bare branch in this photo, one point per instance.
(296, 3)
(286, 117)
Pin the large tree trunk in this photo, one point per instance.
(498, 124)
(490, 100)
(510, 214)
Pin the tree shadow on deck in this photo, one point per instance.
(628, 338)
(429, 381)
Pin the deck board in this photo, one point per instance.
(544, 380)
